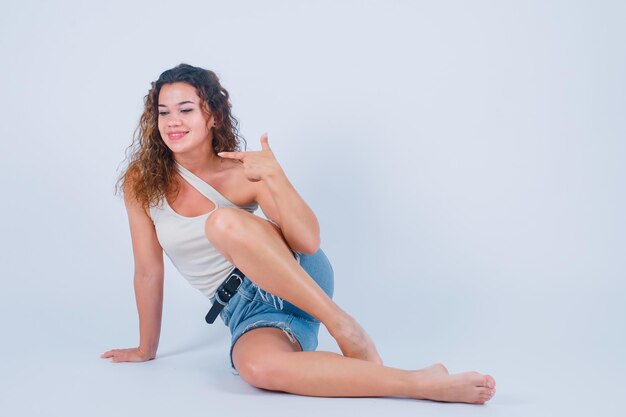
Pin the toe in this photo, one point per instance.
(478, 380)
(485, 394)
(491, 383)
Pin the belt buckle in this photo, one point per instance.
(227, 283)
(239, 278)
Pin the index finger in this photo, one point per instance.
(232, 155)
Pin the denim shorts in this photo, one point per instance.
(252, 307)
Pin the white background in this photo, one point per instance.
(464, 159)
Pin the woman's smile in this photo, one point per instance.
(173, 136)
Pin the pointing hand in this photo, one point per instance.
(257, 165)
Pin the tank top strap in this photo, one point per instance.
(203, 187)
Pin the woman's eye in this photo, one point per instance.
(165, 113)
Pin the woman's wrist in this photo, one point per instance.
(276, 174)
(148, 353)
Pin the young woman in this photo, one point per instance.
(190, 192)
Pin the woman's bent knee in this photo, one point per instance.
(222, 223)
(261, 372)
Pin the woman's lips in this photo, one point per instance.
(176, 136)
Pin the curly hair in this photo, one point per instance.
(150, 170)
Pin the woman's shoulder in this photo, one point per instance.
(129, 185)
(234, 184)
(135, 194)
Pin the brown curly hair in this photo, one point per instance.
(150, 170)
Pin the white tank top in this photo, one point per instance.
(184, 242)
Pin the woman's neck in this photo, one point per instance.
(199, 162)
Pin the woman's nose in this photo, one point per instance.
(173, 122)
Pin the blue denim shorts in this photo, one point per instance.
(252, 307)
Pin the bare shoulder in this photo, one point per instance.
(250, 192)
(233, 184)
(133, 206)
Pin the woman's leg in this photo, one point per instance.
(259, 250)
(265, 358)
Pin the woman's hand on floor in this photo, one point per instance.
(127, 355)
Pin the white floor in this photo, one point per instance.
(557, 364)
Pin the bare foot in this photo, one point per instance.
(354, 342)
(434, 383)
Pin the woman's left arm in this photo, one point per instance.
(278, 199)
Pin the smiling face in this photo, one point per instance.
(182, 123)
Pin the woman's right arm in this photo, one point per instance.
(148, 282)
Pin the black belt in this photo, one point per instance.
(224, 293)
